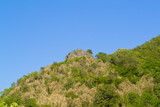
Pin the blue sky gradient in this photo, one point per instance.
(35, 33)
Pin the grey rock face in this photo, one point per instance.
(78, 53)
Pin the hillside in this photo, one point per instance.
(126, 78)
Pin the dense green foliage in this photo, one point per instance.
(135, 63)
(89, 51)
(30, 103)
(105, 96)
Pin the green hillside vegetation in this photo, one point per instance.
(126, 78)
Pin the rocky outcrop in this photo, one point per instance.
(78, 53)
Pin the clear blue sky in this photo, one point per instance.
(35, 33)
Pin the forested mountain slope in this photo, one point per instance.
(126, 78)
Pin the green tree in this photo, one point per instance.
(69, 84)
(147, 98)
(3, 104)
(105, 96)
(30, 102)
(15, 97)
(14, 105)
(71, 95)
(103, 56)
(89, 51)
(156, 90)
(156, 76)
(13, 84)
(133, 98)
